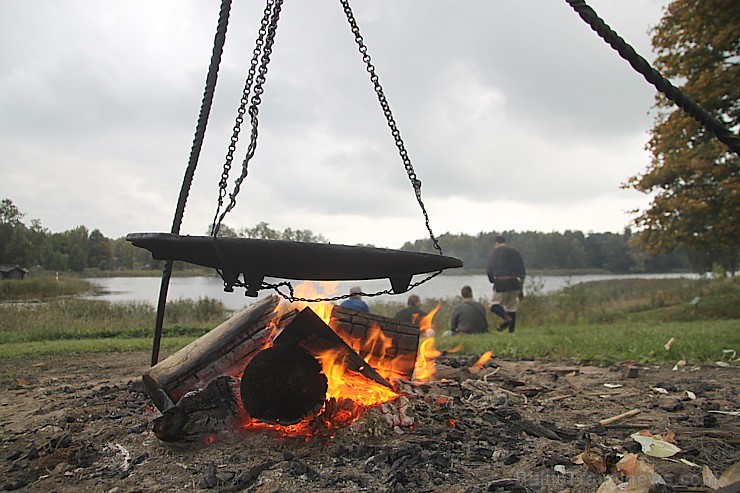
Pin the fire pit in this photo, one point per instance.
(285, 367)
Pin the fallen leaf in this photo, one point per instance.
(23, 382)
(609, 486)
(654, 447)
(723, 364)
(669, 436)
(613, 385)
(691, 395)
(627, 464)
(560, 469)
(710, 480)
(660, 390)
(594, 461)
(730, 476)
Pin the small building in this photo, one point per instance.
(12, 272)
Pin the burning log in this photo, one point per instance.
(310, 332)
(283, 385)
(225, 350)
(402, 339)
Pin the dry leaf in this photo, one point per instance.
(709, 478)
(691, 395)
(654, 447)
(23, 382)
(669, 436)
(608, 486)
(730, 476)
(627, 464)
(594, 461)
(660, 390)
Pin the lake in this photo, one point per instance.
(146, 289)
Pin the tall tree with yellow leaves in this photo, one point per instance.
(694, 178)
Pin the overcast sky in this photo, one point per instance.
(515, 115)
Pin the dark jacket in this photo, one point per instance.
(505, 262)
(410, 315)
(469, 317)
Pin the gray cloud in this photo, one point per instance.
(501, 105)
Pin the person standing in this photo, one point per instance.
(412, 313)
(506, 272)
(355, 301)
(469, 317)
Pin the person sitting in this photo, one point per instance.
(469, 317)
(355, 302)
(412, 313)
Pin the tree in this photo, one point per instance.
(13, 235)
(693, 176)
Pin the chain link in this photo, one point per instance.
(264, 48)
(259, 44)
(415, 181)
(268, 30)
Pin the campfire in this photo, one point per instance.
(292, 368)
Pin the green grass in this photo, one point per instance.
(598, 322)
(42, 288)
(25, 349)
(70, 319)
(696, 342)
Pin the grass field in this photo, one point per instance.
(599, 322)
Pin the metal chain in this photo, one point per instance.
(292, 298)
(254, 111)
(254, 106)
(256, 53)
(415, 182)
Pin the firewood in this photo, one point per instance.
(225, 350)
(283, 385)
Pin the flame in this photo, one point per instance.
(344, 383)
(426, 323)
(310, 290)
(349, 393)
(483, 359)
(425, 366)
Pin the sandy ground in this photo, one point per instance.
(83, 423)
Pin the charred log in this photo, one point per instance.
(311, 333)
(283, 385)
(225, 350)
(210, 411)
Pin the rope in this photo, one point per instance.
(642, 66)
(200, 132)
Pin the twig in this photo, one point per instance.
(619, 417)
(557, 398)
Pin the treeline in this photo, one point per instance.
(33, 245)
(571, 250)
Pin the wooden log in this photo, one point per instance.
(355, 328)
(214, 410)
(283, 385)
(311, 333)
(225, 350)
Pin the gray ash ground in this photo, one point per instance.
(83, 423)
